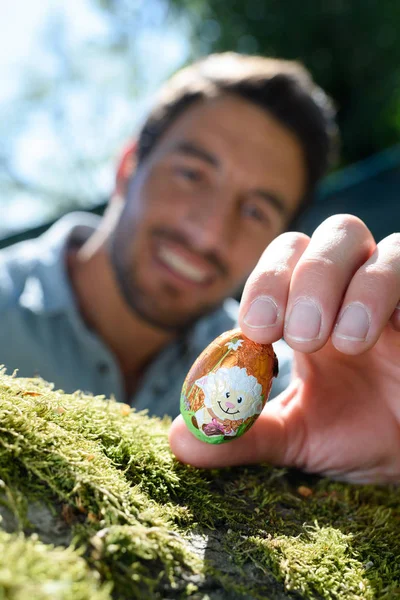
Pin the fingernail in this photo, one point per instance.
(354, 323)
(263, 312)
(304, 322)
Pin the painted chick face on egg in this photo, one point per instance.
(230, 393)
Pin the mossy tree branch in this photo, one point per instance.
(95, 476)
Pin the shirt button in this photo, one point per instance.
(103, 368)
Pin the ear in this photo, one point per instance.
(126, 168)
(202, 381)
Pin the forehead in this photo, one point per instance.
(244, 138)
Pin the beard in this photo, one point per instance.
(151, 307)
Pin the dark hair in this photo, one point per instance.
(283, 88)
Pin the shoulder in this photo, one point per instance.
(33, 273)
(16, 265)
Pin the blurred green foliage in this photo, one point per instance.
(82, 89)
(352, 48)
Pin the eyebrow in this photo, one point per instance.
(273, 199)
(192, 149)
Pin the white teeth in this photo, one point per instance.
(182, 266)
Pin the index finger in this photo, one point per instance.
(265, 295)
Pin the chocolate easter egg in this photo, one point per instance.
(227, 387)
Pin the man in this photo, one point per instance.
(227, 157)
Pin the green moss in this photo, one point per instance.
(320, 561)
(108, 472)
(121, 555)
(30, 569)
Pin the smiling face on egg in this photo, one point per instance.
(230, 393)
(201, 209)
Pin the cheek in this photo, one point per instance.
(249, 406)
(146, 210)
(245, 404)
(162, 197)
(215, 406)
(214, 401)
(245, 253)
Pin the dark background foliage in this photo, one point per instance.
(352, 48)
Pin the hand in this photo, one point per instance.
(335, 299)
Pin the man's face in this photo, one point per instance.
(221, 183)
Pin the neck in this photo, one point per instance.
(133, 342)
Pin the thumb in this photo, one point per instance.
(267, 441)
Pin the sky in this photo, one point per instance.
(39, 152)
(20, 33)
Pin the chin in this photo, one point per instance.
(163, 318)
(172, 314)
(142, 295)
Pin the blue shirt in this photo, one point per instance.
(42, 332)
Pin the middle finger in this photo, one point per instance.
(338, 247)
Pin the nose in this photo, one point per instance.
(209, 224)
(229, 405)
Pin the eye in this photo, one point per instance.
(239, 399)
(189, 174)
(227, 394)
(253, 211)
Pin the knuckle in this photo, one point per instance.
(393, 241)
(320, 266)
(292, 238)
(260, 279)
(343, 225)
(287, 244)
(382, 275)
(281, 255)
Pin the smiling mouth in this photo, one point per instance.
(227, 411)
(181, 265)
